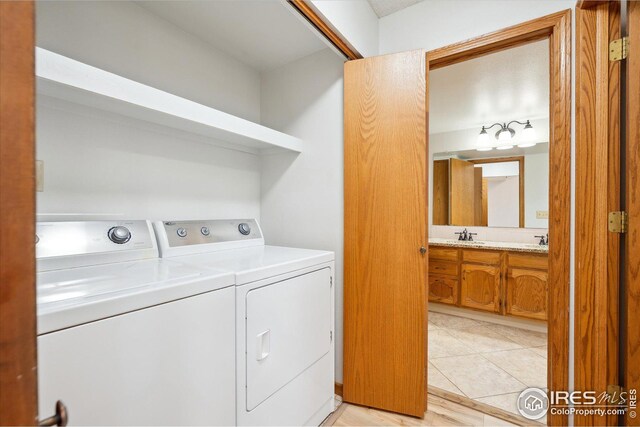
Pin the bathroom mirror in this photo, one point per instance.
(489, 140)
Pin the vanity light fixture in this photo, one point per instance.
(504, 135)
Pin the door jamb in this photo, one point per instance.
(557, 28)
(18, 376)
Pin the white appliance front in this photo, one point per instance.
(163, 365)
(285, 348)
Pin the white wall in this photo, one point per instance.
(302, 196)
(503, 205)
(437, 23)
(536, 189)
(355, 20)
(125, 39)
(98, 163)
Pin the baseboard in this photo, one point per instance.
(338, 389)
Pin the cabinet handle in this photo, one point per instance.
(61, 417)
(423, 250)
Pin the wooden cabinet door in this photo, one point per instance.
(443, 289)
(385, 224)
(527, 293)
(480, 287)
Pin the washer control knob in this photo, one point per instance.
(119, 234)
(205, 231)
(182, 232)
(244, 228)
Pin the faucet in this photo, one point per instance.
(543, 242)
(462, 235)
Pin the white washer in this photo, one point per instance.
(125, 338)
(284, 317)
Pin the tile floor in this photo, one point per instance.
(486, 362)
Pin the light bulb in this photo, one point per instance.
(504, 147)
(504, 136)
(526, 144)
(528, 134)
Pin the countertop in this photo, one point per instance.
(484, 244)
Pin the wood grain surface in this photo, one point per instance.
(461, 196)
(18, 380)
(385, 274)
(632, 273)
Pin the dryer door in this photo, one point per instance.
(288, 330)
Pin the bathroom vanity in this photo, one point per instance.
(508, 279)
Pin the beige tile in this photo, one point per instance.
(540, 351)
(452, 322)
(523, 364)
(506, 402)
(443, 344)
(436, 379)
(477, 377)
(523, 337)
(432, 326)
(484, 339)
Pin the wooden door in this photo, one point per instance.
(527, 292)
(18, 385)
(480, 287)
(477, 196)
(461, 193)
(440, 207)
(385, 225)
(632, 200)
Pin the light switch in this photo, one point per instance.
(39, 175)
(542, 214)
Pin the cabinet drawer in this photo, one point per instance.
(443, 289)
(444, 254)
(447, 268)
(481, 257)
(540, 262)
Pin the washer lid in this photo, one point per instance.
(79, 295)
(259, 262)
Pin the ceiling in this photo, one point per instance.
(508, 85)
(263, 34)
(387, 7)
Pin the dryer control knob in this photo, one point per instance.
(182, 232)
(119, 234)
(244, 228)
(205, 231)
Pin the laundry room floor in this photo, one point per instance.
(440, 412)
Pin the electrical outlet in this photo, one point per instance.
(542, 214)
(39, 175)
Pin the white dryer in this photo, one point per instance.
(284, 317)
(125, 338)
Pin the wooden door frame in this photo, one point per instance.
(557, 29)
(18, 378)
(520, 160)
(598, 173)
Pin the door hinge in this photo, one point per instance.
(618, 49)
(330, 281)
(618, 222)
(330, 336)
